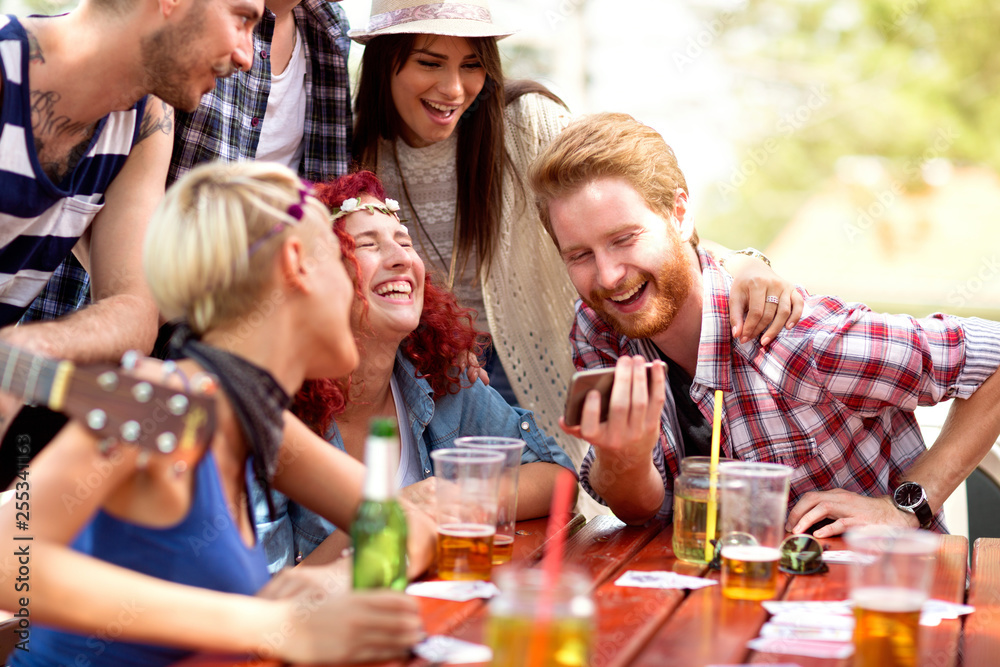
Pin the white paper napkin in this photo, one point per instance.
(662, 579)
(451, 651)
(457, 591)
(812, 649)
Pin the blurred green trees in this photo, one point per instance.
(906, 80)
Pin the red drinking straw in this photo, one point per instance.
(555, 541)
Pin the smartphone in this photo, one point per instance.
(601, 379)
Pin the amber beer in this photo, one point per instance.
(887, 627)
(465, 551)
(690, 520)
(749, 572)
(503, 549)
(566, 641)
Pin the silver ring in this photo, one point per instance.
(771, 299)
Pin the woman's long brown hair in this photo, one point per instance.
(481, 155)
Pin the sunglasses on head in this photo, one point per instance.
(800, 554)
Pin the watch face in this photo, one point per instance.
(908, 494)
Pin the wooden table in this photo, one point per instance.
(651, 627)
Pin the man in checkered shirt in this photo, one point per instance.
(833, 397)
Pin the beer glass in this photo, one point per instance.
(503, 540)
(559, 637)
(466, 494)
(890, 582)
(754, 500)
(691, 490)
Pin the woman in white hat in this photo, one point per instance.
(438, 123)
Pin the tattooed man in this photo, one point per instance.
(86, 127)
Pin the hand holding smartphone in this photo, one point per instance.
(582, 382)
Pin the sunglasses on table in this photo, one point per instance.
(800, 554)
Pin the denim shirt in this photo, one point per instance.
(475, 410)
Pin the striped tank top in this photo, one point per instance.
(40, 221)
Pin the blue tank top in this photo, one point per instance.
(40, 221)
(205, 549)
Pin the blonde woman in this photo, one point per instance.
(246, 255)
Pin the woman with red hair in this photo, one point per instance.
(410, 334)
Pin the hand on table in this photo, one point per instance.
(331, 623)
(361, 626)
(847, 509)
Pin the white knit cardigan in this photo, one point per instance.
(527, 296)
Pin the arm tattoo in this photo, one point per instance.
(35, 54)
(152, 125)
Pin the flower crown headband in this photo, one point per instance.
(353, 205)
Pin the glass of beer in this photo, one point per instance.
(691, 491)
(890, 582)
(511, 448)
(466, 494)
(559, 636)
(754, 499)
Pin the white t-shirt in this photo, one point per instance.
(285, 118)
(409, 471)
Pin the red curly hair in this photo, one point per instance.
(445, 331)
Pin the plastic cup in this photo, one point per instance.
(511, 448)
(560, 638)
(754, 501)
(890, 582)
(466, 494)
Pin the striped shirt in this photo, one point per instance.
(228, 124)
(40, 221)
(833, 398)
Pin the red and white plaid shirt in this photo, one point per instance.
(832, 398)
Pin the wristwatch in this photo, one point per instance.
(910, 497)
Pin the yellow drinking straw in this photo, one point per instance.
(713, 473)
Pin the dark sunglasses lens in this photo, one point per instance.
(716, 562)
(801, 554)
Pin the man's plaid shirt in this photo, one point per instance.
(833, 398)
(227, 127)
(228, 123)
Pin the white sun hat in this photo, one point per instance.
(469, 18)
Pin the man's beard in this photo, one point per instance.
(170, 55)
(672, 285)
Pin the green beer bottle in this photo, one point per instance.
(379, 529)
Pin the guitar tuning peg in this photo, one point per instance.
(166, 442)
(177, 404)
(142, 392)
(108, 381)
(130, 431)
(96, 419)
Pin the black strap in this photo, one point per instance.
(257, 400)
